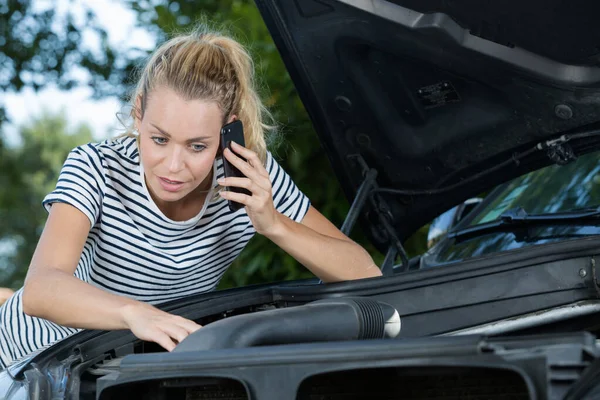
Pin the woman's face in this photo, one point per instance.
(178, 143)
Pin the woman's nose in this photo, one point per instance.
(176, 160)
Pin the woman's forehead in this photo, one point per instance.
(177, 116)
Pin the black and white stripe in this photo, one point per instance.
(132, 248)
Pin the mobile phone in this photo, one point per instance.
(233, 132)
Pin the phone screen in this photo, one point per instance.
(233, 132)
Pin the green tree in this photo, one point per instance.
(39, 46)
(35, 166)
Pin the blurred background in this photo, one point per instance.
(65, 72)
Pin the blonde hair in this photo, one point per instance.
(207, 65)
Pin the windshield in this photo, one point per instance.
(549, 190)
(554, 189)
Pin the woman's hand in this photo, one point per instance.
(259, 205)
(151, 324)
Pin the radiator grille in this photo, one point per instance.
(416, 384)
(182, 389)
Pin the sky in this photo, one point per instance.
(119, 22)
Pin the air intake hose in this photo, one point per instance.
(345, 318)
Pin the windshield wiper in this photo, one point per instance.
(517, 221)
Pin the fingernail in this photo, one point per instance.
(220, 180)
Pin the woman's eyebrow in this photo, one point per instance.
(196, 139)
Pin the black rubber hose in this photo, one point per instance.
(323, 320)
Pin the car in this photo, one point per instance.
(422, 106)
(544, 207)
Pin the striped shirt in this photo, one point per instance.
(132, 248)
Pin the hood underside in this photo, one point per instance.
(444, 99)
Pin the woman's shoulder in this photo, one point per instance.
(120, 151)
(123, 146)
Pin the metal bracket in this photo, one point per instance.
(558, 150)
(387, 267)
(561, 154)
(362, 195)
(595, 275)
(366, 192)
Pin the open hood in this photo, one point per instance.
(443, 99)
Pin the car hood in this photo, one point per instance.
(443, 99)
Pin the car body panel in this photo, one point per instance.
(420, 92)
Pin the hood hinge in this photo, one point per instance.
(366, 193)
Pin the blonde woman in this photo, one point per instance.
(142, 219)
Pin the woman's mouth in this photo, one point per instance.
(170, 185)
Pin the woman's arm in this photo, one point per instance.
(53, 293)
(5, 294)
(322, 248)
(316, 242)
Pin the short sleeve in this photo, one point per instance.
(288, 199)
(80, 183)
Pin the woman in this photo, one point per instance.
(143, 219)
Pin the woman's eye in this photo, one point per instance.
(198, 147)
(159, 140)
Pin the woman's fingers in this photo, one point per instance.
(256, 188)
(250, 156)
(252, 167)
(244, 167)
(237, 197)
(151, 324)
(188, 325)
(175, 331)
(160, 337)
(245, 183)
(259, 205)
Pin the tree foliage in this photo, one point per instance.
(40, 45)
(34, 166)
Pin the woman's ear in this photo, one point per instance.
(137, 113)
(232, 118)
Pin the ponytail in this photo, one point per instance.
(247, 104)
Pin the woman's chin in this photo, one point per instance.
(160, 194)
(171, 197)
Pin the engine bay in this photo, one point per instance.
(527, 340)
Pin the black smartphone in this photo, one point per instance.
(233, 132)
